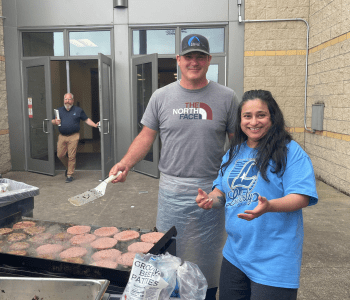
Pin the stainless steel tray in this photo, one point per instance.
(34, 288)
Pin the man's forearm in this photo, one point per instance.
(91, 123)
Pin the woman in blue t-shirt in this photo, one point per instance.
(265, 178)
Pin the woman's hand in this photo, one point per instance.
(289, 203)
(203, 200)
(260, 209)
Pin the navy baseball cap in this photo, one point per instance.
(194, 42)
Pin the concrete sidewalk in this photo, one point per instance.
(325, 273)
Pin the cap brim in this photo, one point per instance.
(194, 50)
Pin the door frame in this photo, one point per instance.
(38, 166)
(146, 167)
(106, 106)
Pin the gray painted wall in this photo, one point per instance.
(179, 11)
(63, 12)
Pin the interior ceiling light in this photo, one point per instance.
(82, 43)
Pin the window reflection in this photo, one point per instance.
(89, 43)
(213, 73)
(161, 41)
(42, 44)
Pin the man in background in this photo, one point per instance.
(69, 127)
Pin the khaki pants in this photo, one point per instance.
(68, 144)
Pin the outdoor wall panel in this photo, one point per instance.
(169, 11)
(63, 13)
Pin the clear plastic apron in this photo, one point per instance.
(200, 233)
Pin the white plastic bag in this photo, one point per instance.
(4, 187)
(191, 281)
(152, 277)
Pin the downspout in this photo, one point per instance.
(239, 3)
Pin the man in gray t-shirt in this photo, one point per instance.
(193, 117)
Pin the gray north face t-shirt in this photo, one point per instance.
(192, 126)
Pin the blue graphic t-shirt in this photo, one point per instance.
(267, 249)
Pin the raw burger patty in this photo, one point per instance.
(140, 247)
(126, 235)
(62, 236)
(74, 260)
(49, 249)
(106, 231)
(109, 254)
(104, 243)
(18, 252)
(79, 229)
(152, 237)
(40, 237)
(81, 239)
(105, 264)
(34, 230)
(126, 259)
(48, 256)
(4, 231)
(73, 252)
(16, 237)
(19, 246)
(24, 224)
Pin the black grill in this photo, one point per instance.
(30, 266)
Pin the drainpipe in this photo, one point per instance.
(239, 3)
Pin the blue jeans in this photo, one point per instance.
(235, 285)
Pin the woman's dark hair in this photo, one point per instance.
(272, 146)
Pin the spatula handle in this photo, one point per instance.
(112, 177)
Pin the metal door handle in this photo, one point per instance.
(107, 126)
(44, 125)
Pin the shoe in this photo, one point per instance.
(65, 173)
(69, 179)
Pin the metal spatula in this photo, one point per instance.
(93, 194)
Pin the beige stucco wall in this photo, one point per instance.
(329, 83)
(275, 58)
(5, 158)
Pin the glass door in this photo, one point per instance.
(38, 115)
(144, 83)
(106, 113)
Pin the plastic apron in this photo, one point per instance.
(200, 233)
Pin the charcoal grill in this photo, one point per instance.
(16, 265)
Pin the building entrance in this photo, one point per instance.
(45, 83)
(84, 85)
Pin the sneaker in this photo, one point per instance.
(69, 179)
(65, 173)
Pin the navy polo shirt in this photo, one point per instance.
(70, 120)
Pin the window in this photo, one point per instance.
(215, 36)
(89, 43)
(160, 41)
(42, 44)
(213, 72)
